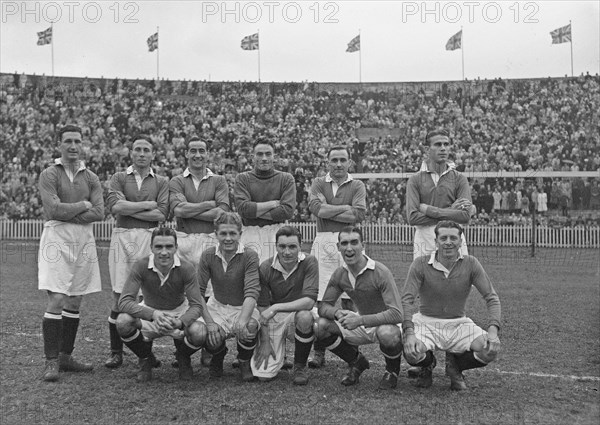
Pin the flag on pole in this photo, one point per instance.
(454, 42)
(561, 35)
(250, 42)
(44, 37)
(152, 42)
(354, 45)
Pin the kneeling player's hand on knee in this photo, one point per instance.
(351, 320)
(162, 320)
(410, 345)
(214, 334)
(491, 348)
(262, 354)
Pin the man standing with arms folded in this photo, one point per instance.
(289, 285)
(139, 199)
(67, 261)
(265, 199)
(337, 200)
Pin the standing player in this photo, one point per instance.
(337, 200)
(436, 192)
(443, 281)
(197, 198)
(371, 286)
(68, 262)
(140, 200)
(289, 286)
(172, 303)
(265, 198)
(231, 311)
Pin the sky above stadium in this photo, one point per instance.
(299, 41)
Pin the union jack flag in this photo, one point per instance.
(44, 37)
(354, 45)
(250, 42)
(454, 42)
(561, 35)
(152, 42)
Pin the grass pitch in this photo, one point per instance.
(548, 371)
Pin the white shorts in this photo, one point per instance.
(424, 243)
(190, 247)
(281, 327)
(452, 335)
(68, 260)
(261, 239)
(126, 247)
(361, 335)
(325, 249)
(226, 315)
(151, 331)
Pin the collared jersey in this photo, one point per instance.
(302, 282)
(63, 194)
(128, 186)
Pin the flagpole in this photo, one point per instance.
(462, 51)
(258, 50)
(571, 27)
(359, 58)
(157, 51)
(52, 47)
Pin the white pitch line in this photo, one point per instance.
(487, 370)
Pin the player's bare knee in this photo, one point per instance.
(389, 336)
(126, 324)
(304, 321)
(73, 302)
(478, 344)
(486, 356)
(56, 302)
(196, 334)
(412, 360)
(322, 328)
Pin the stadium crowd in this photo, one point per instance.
(545, 125)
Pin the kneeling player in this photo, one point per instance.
(443, 281)
(172, 303)
(289, 287)
(370, 285)
(231, 311)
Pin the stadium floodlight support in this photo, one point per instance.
(462, 51)
(360, 59)
(571, 43)
(157, 53)
(258, 53)
(52, 46)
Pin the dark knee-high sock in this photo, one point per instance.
(392, 361)
(184, 347)
(467, 360)
(246, 349)
(340, 348)
(116, 343)
(70, 320)
(137, 344)
(302, 344)
(52, 332)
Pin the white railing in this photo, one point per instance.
(396, 234)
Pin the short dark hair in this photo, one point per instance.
(196, 139)
(228, 218)
(437, 132)
(263, 141)
(338, 148)
(352, 229)
(145, 137)
(163, 231)
(448, 224)
(288, 231)
(67, 129)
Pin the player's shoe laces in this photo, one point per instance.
(457, 380)
(246, 371)
(50, 371)
(145, 372)
(425, 378)
(355, 369)
(66, 363)
(114, 361)
(318, 360)
(388, 381)
(300, 375)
